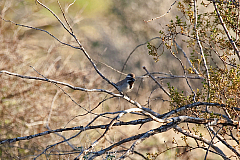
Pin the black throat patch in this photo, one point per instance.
(131, 84)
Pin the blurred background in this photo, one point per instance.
(109, 31)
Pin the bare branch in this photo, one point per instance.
(131, 149)
(71, 33)
(156, 81)
(226, 31)
(64, 16)
(163, 14)
(185, 75)
(152, 132)
(108, 128)
(201, 49)
(225, 142)
(180, 119)
(211, 143)
(124, 65)
(190, 106)
(185, 55)
(200, 139)
(39, 29)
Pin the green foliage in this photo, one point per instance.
(152, 51)
(225, 85)
(180, 99)
(223, 81)
(221, 73)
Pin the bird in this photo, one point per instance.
(126, 85)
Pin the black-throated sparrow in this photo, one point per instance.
(126, 85)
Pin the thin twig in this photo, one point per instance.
(225, 142)
(206, 141)
(211, 142)
(185, 55)
(39, 29)
(131, 149)
(201, 50)
(185, 75)
(161, 15)
(124, 65)
(147, 111)
(147, 134)
(108, 128)
(157, 82)
(71, 33)
(64, 16)
(226, 31)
